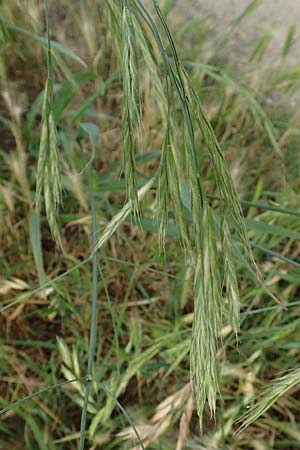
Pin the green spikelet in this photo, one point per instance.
(266, 399)
(163, 190)
(131, 105)
(230, 278)
(207, 319)
(49, 170)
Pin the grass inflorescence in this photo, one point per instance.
(156, 311)
(48, 169)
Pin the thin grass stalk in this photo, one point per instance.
(93, 330)
(37, 393)
(97, 244)
(49, 55)
(126, 415)
(112, 313)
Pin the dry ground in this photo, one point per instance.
(271, 16)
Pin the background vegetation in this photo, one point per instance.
(141, 372)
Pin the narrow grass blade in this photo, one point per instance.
(93, 330)
(37, 393)
(55, 45)
(124, 412)
(35, 239)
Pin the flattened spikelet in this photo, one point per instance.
(131, 105)
(49, 171)
(207, 319)
(269, 396)
(163, 190)
(230, 278)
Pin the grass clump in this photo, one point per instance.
(153, 286)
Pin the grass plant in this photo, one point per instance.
(150, 250)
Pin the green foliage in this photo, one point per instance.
(145, 331)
